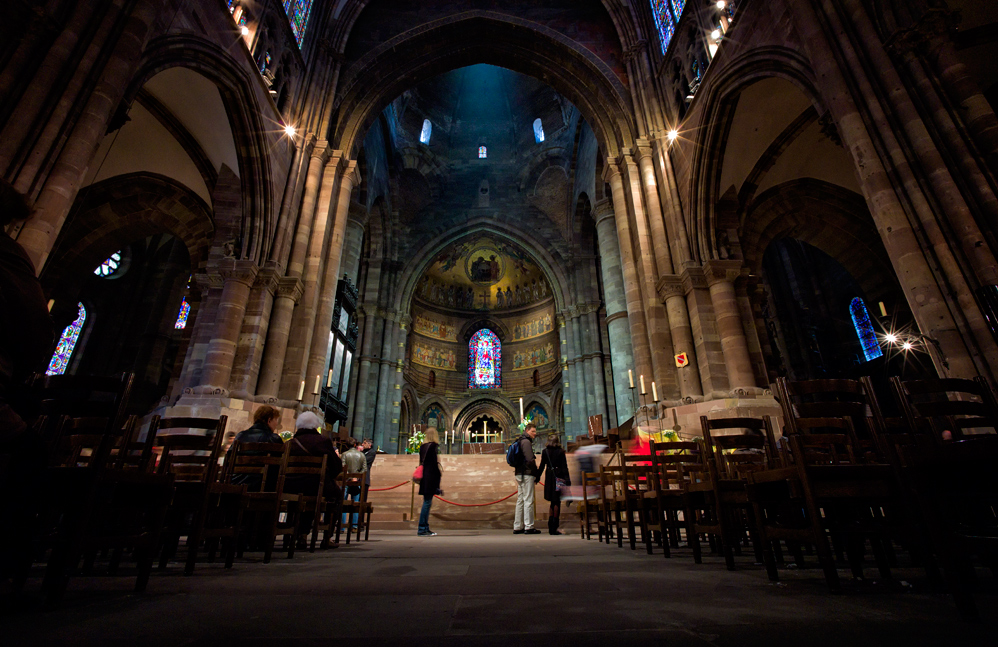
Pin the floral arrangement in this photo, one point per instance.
(286, 435)
(525, 422)
(415, 441)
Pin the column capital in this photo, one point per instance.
(320, 150)
(693, 279)
(602, 210)
(611, 170)
(239, 271)
(716, 271)
(267, 279)
(290, 287)
(357, 214)
(670, 285)
(643, 149)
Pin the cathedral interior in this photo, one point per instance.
(606, 216)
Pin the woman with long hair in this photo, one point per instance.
(429, 486)
(553, 458)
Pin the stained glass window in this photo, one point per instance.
(424, 136)
(484, 360)
(298, 12)
(67, 342)
(664, 21)
(110, 266)
(538, 130)
(185, 309)
(482, 152)
(864, 329)
(677, 8)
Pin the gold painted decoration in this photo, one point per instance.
(528, 359)
(532, 328)
(436, 329)
(426, 355)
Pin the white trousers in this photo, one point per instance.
(524, 518)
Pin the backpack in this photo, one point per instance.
(514, 453)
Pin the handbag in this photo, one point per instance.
(560, 484)
(417, 475)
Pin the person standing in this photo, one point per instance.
(354, 462)
(370, 453)
(553, 457)
(429, 485)
(526, 473)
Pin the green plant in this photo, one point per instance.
(415, 441)
(285, 435)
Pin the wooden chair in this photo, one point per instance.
(730, 458)
(81, 396)
(676, 463)
(275, 512)
(965, 408)
(305, 474)
(203, 509)
(589, 506)
(351, 507)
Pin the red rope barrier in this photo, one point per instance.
(474, 505)
(382, 489)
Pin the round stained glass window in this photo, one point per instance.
(109, 266)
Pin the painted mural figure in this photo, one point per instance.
(509, 297)
(499, 298)
(469, 299)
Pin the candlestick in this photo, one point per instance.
(318, 381)
(641, 379)
(654, 392)
(301, 390)
(630, 377)
(329, 380)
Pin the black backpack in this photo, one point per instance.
(514, 453)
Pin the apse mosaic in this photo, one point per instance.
(484, 360)
(534, 357)
(436, 329)
(434, 416)
(538, 415)
(532, 328)
(425, 355)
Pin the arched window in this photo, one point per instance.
(537, 378)
(864, 329)
(424, 135)
(433, 379)
(109, 266)
(484, 360)
(664, 21)
(482, 152)
(538, 130)
(185, 310)
(298, 12)
(67, 342)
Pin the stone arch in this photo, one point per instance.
(824, 215)
(720, 99)
(118, 211)
(236, 83)
(441, 402)
(481, 405)
(482, 37)
(474, 325)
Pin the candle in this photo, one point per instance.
(654, 392)
(318, 381)
(301, 390)
(329, 380)
(630, 377)
(641, 378)
(521, 408)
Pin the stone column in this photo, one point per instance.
(246, 366)
(618, 330)
(594, 364)
(360, 414)
(291, 287)
(585, 362)
(569, 382)
(386, 375)
(238, 278)
(389, 434)
(709, 356)
(641, 351)
(671, 292)
(720, 279)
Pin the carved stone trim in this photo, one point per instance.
(602, 210)
(267, 280)
(290, 287)
(693, 279)
(616, 315)
(670, 285)
(716, 271)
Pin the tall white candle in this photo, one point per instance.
(630, 377)
(329, 380)
(641, 378)
(521, 408)
(654, 392)
(301, 390)
(318, 381)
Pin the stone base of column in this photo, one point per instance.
(685, 419)
(212, 402)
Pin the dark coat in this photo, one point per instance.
(258, 433)
(431, 469)
(529, 464)
(553, 458)
(309, 442)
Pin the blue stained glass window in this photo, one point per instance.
(67, 342)
(864, 329)
(484, 360)
(482, 152)
(185, 309)
(298, 12)
(538, 130)
(677, 8)
(664, 21)
(424, 136)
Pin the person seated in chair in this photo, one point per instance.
(266, 422)
(308, 441)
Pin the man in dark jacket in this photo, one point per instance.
(526, 475)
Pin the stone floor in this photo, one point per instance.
(492, 588)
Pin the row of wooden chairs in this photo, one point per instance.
(842, 477)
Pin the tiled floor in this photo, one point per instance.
(492, 588)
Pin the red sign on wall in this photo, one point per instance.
(682, 360)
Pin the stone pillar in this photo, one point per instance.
(246, 366)
(671, 292)
(386, 376)
(638, 328)
(353, 242)
(569, 382)
(618, 330)
(238, 278)
(389, 434)
(709, 356)
(585, 361)
(360, 414)
(594, 365)
(720, 279)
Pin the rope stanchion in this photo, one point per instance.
(382, 489)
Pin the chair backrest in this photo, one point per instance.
(190, 457)
(80, 442)
(84, 396)
(306, 466)
(963, 407)
(260, 459)
(820, 407)
(132, 454)
(733, 456)
(676, 462)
